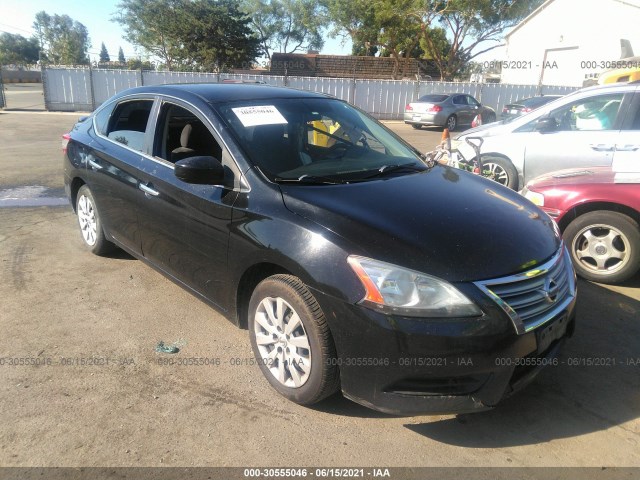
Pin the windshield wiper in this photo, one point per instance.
(387, 169)
(312, 179)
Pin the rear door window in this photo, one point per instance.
(128, 123)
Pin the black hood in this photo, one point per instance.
(444, 222)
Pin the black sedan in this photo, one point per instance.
(526, 105)
(354, 263)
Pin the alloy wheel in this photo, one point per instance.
(282, 342)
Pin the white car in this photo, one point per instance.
(583, 129)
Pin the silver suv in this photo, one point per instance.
(583, 129)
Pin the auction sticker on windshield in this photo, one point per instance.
(259, 115)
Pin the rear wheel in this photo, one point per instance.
(91, 223)
(604, 246)
(291, 340)
(416, 126)
(451, 123)
(500, 170)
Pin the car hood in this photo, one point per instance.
(574, 176)
(444, 222)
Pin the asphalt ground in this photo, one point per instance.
(93, 391)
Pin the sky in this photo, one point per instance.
(17, 16)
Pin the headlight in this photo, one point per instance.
(535, 197)
(394, 289)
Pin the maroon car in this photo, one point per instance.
(598, 211)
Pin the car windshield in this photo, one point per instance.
(316, 140)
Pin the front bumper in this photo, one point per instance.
(411, 366)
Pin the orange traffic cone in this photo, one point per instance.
(445, 139)
(477, 121)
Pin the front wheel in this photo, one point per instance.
(416, 126)
(500, 170)
(291, 340)
(604, 246)
(90, 223)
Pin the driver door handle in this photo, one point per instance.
(148, 190)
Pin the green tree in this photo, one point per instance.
(472, 27)
(287, 26)
(18, 50)
(379, 26)
(206, 34)
(151, 24)
(121, 58)
(217, 36)
(449, 32)
(104, 54)
(62, 39)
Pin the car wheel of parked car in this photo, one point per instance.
(291, 340)
(90, 223)
(501, 170)
(451, 123)
(604, 246)
(416, 126)
(489, 117)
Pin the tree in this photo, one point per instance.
(151, 25)
(468, 24)
(121, 58)
(379, 26)
(104, 54)
(217, 35)
(18, 50)
(62, 39)
(209, 34)
(448, 32)
(287, 26)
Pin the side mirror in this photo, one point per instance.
(547, 124)
(200, 170)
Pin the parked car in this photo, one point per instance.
(589, 127)
(446, 110)
(598, 211)
(526, 105)
(354, 264)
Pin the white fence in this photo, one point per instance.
(84, 89)
(3, 102)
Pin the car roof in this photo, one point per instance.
(219, 92)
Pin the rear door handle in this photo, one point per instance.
(602, 147)
(148, 190)
(95, 164)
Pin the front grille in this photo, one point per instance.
(534, 297)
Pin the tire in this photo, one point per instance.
(604, 246)
(500, 170)
(490, 117)
(304, 372)
(416, 126)
(90, 223)
(451, 123)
